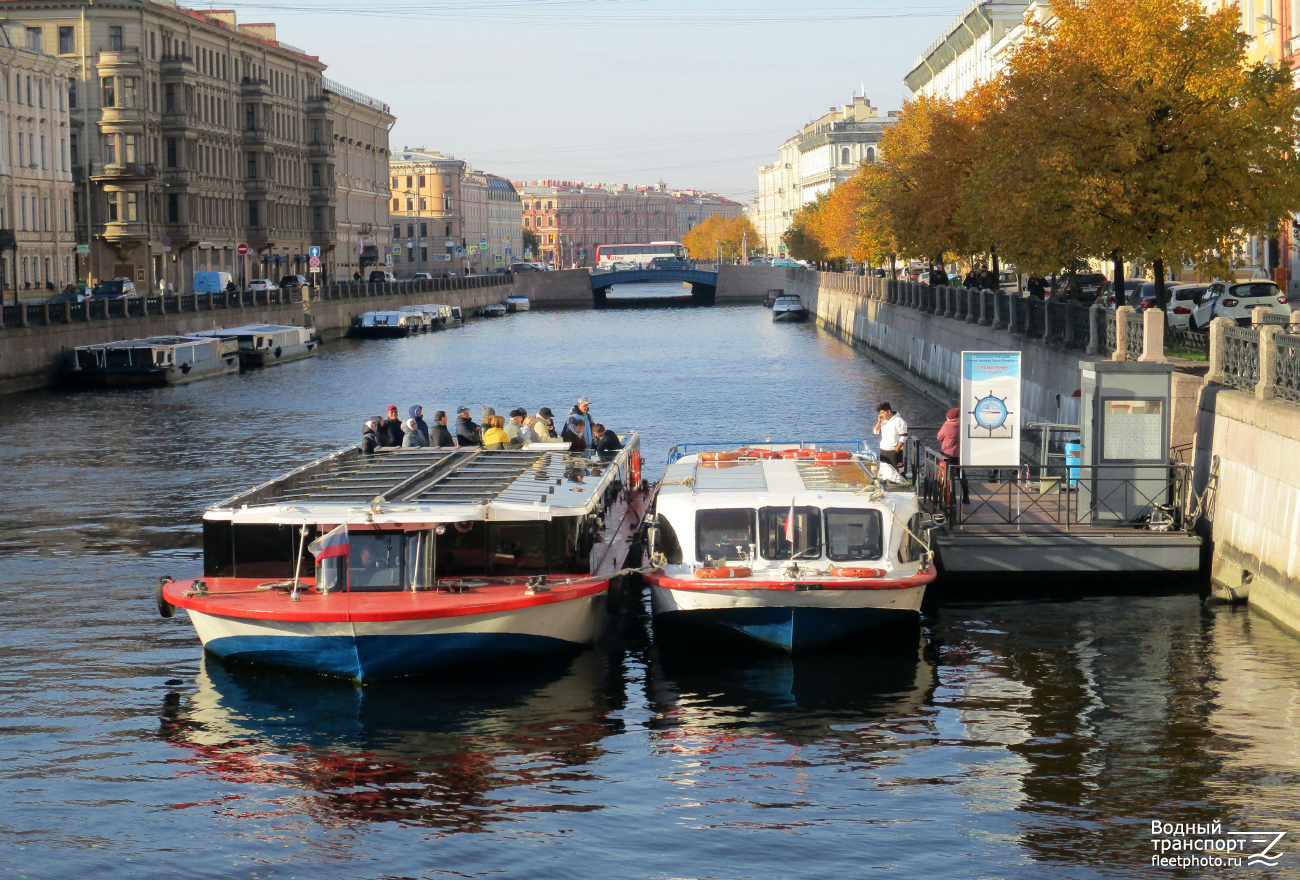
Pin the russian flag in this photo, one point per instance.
(331, 544)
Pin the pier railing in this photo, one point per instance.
(104, 309)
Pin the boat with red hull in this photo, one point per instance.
(436, 558)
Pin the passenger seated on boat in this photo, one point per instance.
(515, 427)
(438, 434)
(494, 435)
(574, 434)
(542, 426)
(417, 412)
(467, 433)
(607, 442)
(412, 436)
(369, 439)
(390, 429)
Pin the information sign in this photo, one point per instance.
(990, 409)
(460, 251)
(83, 249)
(314, 251)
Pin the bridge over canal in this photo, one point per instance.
(703, 282)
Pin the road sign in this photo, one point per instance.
(507, 239)
(83, 249)
(313, 261)
(473, 249)
(460, 251)
(781, 248)
(243, 249)
(166, 241)
(450, 243)
(314, 251)
(482, 239)
(508, 250)
(528, 253)
(397, 250)
(498, 259)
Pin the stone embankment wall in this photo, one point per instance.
(741, 284)
(35, 340)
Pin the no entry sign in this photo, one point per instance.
(243, 249)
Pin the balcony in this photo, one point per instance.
(126, 230)
(320, 150)
(259, 237)
(123, 171)
(254, 88)
(129, 56)
(175, 64)
(256, 137)
(124, 115)
(260, 186)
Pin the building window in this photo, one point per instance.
(397, 204)
(253, 216)
(115, 38)
(525, 221)
(43, 165)
(394, 183)
(72, 140)
(422, 181)
(153, 46)
(63, 153)
(132, 210)
(871, 154)
(129, 91)
(448, 232)
(252, 171)
(423, 203)
(397, 231)
(106, 86)
(112, 207)
(129, 150)
(173, 208)
(424, 230)
(315, 174)
(171, 152)
(424, 254)
(110, 149)
(410, 204)
(410, 230)
(22, 206)
(317, 218)
(34, 39)
(844, 156)
(72, 94)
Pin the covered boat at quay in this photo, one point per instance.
(450, 556)
(388, 325)
(793, 546)
(264, 345)
(154, 360)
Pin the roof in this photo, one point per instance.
(781, 478)
(429, 485)
(148, 340)
(245, 330)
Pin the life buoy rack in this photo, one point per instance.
(634, 468)
(724, 572)
(858, 572)
(719, 456)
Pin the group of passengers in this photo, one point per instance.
(580, 431)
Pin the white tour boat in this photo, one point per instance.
(789, 308)
(394, 324)
(517, 302)
(432, 315)
(155, 360)
(725, 554)
(405, 561)
(264, 345)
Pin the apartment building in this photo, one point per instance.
(35, 164)
(821, 155)
(694, 207)
(194, 135)
(572, 219)
(427, 212)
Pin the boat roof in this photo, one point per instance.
(148, 340)
(245, 330)
(429, 485)
(774, 481)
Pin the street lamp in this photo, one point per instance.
(413, 239)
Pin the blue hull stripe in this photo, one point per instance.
(796, 629)
(368, 658)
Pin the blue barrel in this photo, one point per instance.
(1073, 459)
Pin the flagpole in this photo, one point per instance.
(297, 565)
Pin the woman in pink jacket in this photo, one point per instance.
(950, 446)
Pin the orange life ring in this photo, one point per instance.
(723, 572)
(719, 456)
(798, 453)
(759, 453)
(634, 468)
(833, 456)
(858, 572)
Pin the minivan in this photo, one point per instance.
(378, 276)
(211, 282)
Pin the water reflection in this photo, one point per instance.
(419, 751)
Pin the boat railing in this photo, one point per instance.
(858, 447)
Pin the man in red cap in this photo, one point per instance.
(390, 429)
(950, 446)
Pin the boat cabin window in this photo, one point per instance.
(772, 542)
(88, 358)
(254, 550)
(724, 533)
(118, 357)
(517, 548)
(911, 549)
(477, 549)
(853, 535)
(668, 544)
(375, 561)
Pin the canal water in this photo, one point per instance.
(1031, 739)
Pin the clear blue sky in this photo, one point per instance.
(696, 94)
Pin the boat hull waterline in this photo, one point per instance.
(787, 616)
(396, 642)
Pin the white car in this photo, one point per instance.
(1182, 299)
(1235, 300)
(262, 284)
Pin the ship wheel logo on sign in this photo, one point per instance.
(990, 413)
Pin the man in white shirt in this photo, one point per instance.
(893, 435)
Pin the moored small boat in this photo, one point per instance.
(792, 546)
(432, 315)
(154, 360)
(517, 302)
(448, 556)
(265, 345)
(387, 324)
(789, 308)
(771, 297)
(492, 310)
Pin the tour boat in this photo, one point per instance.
(408, 560)
(789, 308)
(517, 302)
(432, 315)
(154, 360)
(770, 299)
(492, 310)
(264, 345)
(457, 316)
(854, 562)
(387, 325)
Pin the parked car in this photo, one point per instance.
(262, 284)
(117, 288)
(292, 282)
(425, 276)
(529, 267)
(70, 296)
(1091, 284)
(786, 264)
(210, 282)
(1182, 300)
(667, 263)
(1130, 286)
(1235, 300)
(380, 276)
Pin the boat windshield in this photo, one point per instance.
(724, 534)
(853, 534)
(375, 560)
(807, 533)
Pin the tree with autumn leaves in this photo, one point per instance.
(1120, 129)
(704, 239)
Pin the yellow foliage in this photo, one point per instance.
(702, 240)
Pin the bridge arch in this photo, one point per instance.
(704, 284)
